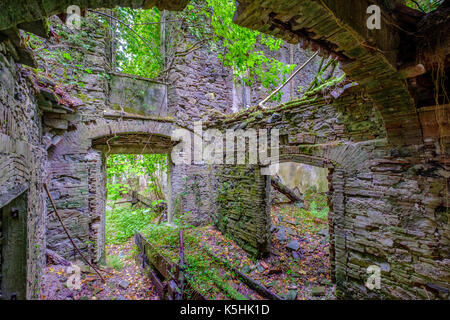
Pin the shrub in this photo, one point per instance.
(114, 262)
(122, 222)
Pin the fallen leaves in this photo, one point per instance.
(283, 269)
(92, 288)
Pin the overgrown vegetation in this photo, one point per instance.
(237, 47)
(66, 51)
(124, 173)
(121, 222)
(211, 277)
(114, 262)
(134, 56)
(424, 5)
(316, 204)
(141, 50)
(203, 273)
(125, 170)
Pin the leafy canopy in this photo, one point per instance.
(133, 56)
(425, 5)
(237, 47)
(209, 22)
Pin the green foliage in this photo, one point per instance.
(69, 55)
(114, 262)
(202, 272)
(133, 55)
(116, 190)
(237, 47)
(123, 168)
(318, 213)
(425, 5)
(135, 164)
(209, 22)
(122, 222)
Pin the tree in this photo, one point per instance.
(123, 170)
(210, 23)
(424, 5)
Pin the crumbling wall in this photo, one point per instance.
(75, 173)
(193, 192)
(82, 101)
(22, 158)
(68, 91)
(394, 197)
(388, 206)
(243, 210)
(200, 84)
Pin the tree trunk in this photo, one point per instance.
(288, 192)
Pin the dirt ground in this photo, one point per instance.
(301, 273)
(125, 284)
(297, 269)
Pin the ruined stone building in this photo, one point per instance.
(384, 140)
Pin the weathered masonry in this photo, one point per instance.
(385, 142)
(14, 248)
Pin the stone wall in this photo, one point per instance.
(388, 186)
(121, 114)
(200, 85)
(74, 172)
(193, 192)
(388, 205)
(76, 102)
(138, 96)
(22, 158)
(111, 115)
(243, 210)
(390, 196)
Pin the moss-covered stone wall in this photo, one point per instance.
(388, 205)
(23, 160)
(243, 210)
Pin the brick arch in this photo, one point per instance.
(346, 36)
(347, 156)
(80, 140)
(342, 159)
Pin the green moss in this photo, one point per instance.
(85, 98)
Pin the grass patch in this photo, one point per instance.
(114, 262)
(121, 222)
(317, 212)
(204, 274)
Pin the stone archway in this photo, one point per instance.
(77, 173)
(80, 140)
(342, 160)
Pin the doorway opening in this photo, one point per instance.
(136, 198)
(13, 249)
(300, 229)
(137, 193)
